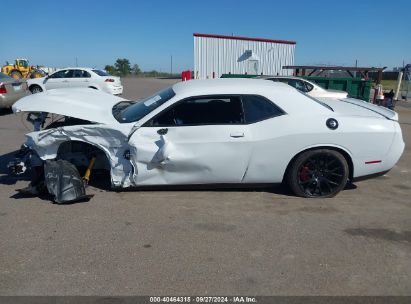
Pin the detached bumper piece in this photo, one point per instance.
(64, 182)
(58, 179)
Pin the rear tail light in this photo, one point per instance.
(109, 80)
(2, 88)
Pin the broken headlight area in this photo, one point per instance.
(24, 160)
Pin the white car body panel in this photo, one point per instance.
(317, 91)
(245, 153)
(94, 81)
(362, 110)
(179, 156)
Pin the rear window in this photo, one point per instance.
(101, 73)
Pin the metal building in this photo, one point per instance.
(215, 55)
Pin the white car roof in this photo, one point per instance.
(283, 95)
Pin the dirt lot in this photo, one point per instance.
(250, 242)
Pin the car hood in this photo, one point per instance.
(356, 107)
(84, 103)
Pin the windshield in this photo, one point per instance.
(23, 63)
(133, 111)
(101, 73)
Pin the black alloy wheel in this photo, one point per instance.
(318, 173)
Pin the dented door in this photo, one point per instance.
(191, 154)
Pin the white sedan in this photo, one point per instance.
(77, 78)
(307, 87)
(221, 131)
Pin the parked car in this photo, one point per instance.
(77, 78)
(11, 90)
(307, 87)
(221, 131)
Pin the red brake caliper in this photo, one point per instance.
(304, 174)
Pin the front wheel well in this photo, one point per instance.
(343, 152)
(79, 153)
(32, 86)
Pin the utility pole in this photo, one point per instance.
(356, 65)
(171, 66)
(76, 62)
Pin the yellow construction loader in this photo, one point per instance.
(21, 69)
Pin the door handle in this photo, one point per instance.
(162, 131)
(65, 81)
(237, 134)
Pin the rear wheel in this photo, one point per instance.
(36, 74)
(35, 89)
(318, 173)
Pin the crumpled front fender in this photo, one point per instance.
(112, 142)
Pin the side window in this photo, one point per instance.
(77, 73)
(309, 87)
(85, 74)
(298, 84)
(68, 74)
(257, 108)
(210, 110)
(59, 74)
(283, 80)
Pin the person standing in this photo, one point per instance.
(390, 100)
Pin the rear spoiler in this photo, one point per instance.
(383, 111)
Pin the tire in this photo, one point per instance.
(16, 74)
(318, 173)
(36, 74)
(35, 89)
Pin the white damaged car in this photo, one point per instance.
(220, 131)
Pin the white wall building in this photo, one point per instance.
(215, 55)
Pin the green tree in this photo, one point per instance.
(122, 66)
(136, 69)
(111, 70)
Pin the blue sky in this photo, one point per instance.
(97, 32)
